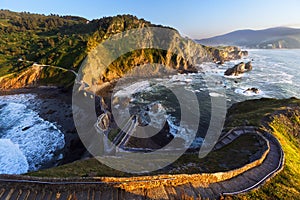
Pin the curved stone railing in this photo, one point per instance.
(268, 176)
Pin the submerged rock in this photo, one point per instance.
(254, 90)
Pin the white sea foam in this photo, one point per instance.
(37, 139)
(215, 94)
(133, 88)
(12, 159)
(184, 133)
(234, 77)
(181, 78)
(158, 115)
(243, 91)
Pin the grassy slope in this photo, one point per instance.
(285, 126)
(217, 161)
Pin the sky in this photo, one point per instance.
(196, 19)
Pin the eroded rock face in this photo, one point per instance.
(26, 78)
(222, 54)
(238, 69)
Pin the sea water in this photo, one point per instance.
(276, 74)
(27, 142)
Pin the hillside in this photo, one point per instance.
(273, 38)
(64, 41)
(54, 40)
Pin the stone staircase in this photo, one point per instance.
(12, 189)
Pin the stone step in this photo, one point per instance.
(203, 193)
(233, 186)
(236, 134)
(255, 175)
(210, 193)
(231, 137)
(185, 192)
(19, 195)
(241, 182)
(16, 194)
(48, 195)
(217, 189)
(157, 193)
(241, 132)
(41, 195)
(2, 191)
(273, 155)
(138, 194)
(171, 192)
(226, 141)
(107, 194)
(92, 194)
(9, 194)
(218, 146)
(5, 194)
(63, 196)
(97, 195)
(251, 178)
(24, 195)
(32, 195)
(115, 193)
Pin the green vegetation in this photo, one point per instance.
(217, 161)
(54, 76)
(281, 118)
(62, 41)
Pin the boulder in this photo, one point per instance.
(254, 90)
(236, 70)
(239, 69)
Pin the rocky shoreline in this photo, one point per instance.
(55, 105)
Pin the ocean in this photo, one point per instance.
(29, 143)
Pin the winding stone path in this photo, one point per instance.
(28, 188)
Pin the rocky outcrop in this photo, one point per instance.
(238, 69)
(222, 54)
(167, 53)
(27, 78)
(37, 75)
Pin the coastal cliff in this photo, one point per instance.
(65, 41)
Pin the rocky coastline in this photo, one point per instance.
(55, 105)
